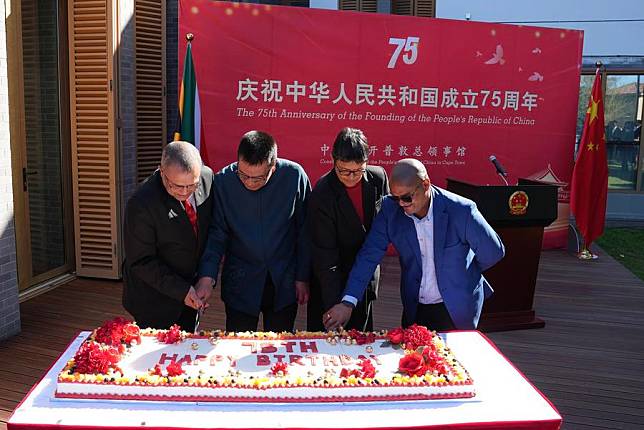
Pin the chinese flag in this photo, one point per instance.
(590, 176)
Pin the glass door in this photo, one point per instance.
(43, 223)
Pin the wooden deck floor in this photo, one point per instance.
(588, 359)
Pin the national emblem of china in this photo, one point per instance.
(518, 203)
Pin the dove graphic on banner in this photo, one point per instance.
(497, 57)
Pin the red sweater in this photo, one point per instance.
(355, 194)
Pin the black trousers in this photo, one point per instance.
(277, 321)
(434, 317)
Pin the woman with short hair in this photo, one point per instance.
(341, 209)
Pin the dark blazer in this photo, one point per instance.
(261, 233)
(336, 237)
(464, 246)
(161, 250)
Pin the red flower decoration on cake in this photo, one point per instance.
(345, 373)
(131, 333)
(417, 335)
(360, 337)
(434, 362)
(172, 335)
(368, 370)
(117, 331)
(174, 369)
(279, 369)
(396, 336)
(93, 357)
(412, 364)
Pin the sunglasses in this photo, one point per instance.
(405, 198)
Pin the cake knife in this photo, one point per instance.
(198, 318)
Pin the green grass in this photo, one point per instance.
(625, 245)
(615, 182)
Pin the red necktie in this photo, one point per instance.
(192, 216)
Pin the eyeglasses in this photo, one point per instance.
(405, 198)
(349, 172)
(177, 187)
(254, 179)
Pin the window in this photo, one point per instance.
(623, 121)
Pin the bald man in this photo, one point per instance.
(444, 244)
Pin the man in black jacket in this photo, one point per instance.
(165, 231)
(342, 206)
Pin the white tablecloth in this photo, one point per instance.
(503, 397)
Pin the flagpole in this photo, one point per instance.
(599, 65)
(177, 126)
(586, 254)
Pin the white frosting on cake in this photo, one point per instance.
(242, 368)
(96, 390)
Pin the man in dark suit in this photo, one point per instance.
(342, 207)
(444, 245)
(259, 226)
(166, 226)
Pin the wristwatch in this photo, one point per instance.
(348, 303)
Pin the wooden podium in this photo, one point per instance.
(518, 214)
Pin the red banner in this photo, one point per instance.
(450, 93)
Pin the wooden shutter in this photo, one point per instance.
(426, 8)
(401, 7)
(296, 3)
(359, 5)
(149, 16)
(92, 98)
(348, 4)
(369, 6)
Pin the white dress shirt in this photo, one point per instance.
(428, 293)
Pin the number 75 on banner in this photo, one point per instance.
(409, 48)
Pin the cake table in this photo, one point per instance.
(504, 399)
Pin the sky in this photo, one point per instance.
(611, 33)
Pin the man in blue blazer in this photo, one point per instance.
(444, 245)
